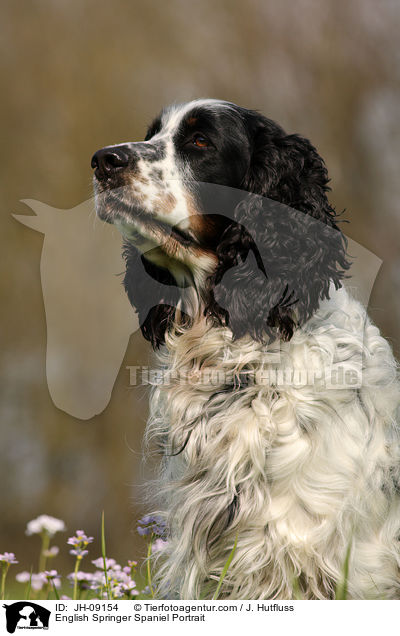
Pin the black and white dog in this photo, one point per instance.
(234, 265)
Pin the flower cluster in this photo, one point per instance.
(44, 523)
(80, 542)
(108, 580)
(40, 580)
(53, 577)
(8, 557)
(121, 582)
(152, 525)
(37, 581)
(51, 552)
(119, 579)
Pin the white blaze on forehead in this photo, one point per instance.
(173, 116)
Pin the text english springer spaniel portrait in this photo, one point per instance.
(276, 416)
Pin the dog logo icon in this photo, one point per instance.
(26, 615)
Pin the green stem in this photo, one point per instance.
(3, 579)
(55, 591)
(29, 587)
(77, 562)
(44, 548)
(104, 554)
(226, 568)
(149, 568)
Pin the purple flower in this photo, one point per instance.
(85, 580)
(117, 591)
(37, 580)
(53, 577)
(79, 553)
(51, 552)
(144, 521)
(110, 563)
(80, 541)
(144, 531)
(51, 574)
(152, 525)
(129, 588)
(81, 576)
(98, 580)
(40, 579)
(158, 545)
(82, 535)
(23, 577)
(8, 557)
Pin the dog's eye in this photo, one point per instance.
(200, 141)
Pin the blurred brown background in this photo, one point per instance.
(78, 75)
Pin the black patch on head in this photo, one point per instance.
(275, 262)
(226, 158)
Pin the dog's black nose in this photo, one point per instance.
(108, 160)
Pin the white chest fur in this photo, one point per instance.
(292, 448)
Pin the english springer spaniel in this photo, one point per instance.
(276, 413)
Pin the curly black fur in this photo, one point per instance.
(273, 272)
(153, 292)
(279, 251)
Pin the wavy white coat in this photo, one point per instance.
(297, 472)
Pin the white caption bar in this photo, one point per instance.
(175, 617)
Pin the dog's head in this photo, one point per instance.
(221, 199)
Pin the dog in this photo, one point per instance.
(235, 263)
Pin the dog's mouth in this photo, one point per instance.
(174, 231)
(161, 232)
(182, 250)
(138, 226)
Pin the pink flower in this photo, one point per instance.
(158, 545)
(8, 557)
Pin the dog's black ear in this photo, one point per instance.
(152, 291)
(283, 249)
(288, 169)
(241, 293)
